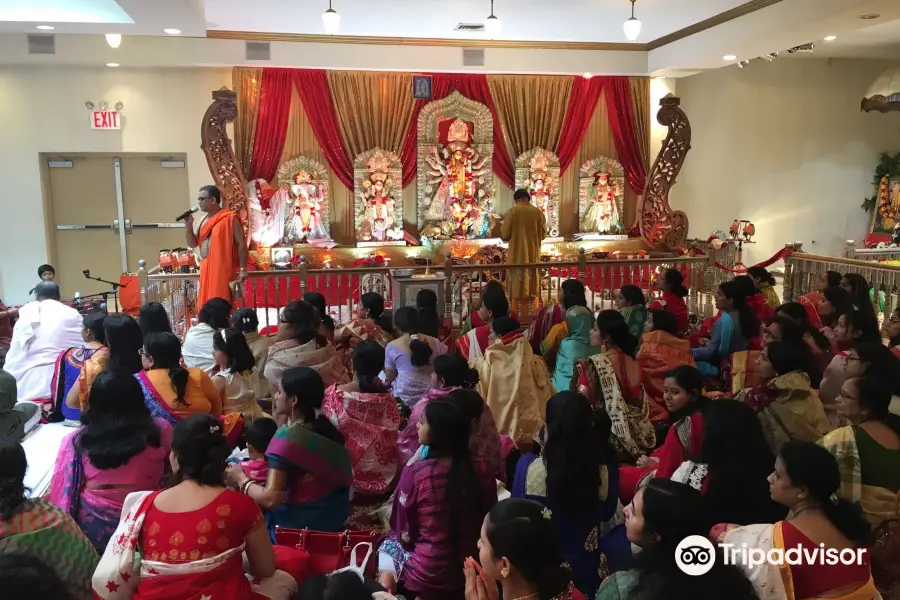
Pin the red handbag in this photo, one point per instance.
(329, 551)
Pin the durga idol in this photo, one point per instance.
(602, 216)
(305, 224)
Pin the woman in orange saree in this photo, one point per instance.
(661, 350)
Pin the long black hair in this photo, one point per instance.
(518, 531)
(199, 444)
(429, 319)
(124, 340)
(455, 371)
(13, 465)
(337, 586)
(245, 320)
(813, 467)
(23, 575)
(735, 291)
(318, 300)
(307, 387)
(577, 447)
(573, 293)
(216, 313)
(864, 327)
(875, 395)
(674, 281)
(374, 303)
(93, 322)
(449, 426)
(832, 278)
(119, 425)
(612, 324)
(664, 320)
(233, 343)
(762, 274)
(368, 361)
(165, 350)
(673, 511)
(304, 321)
(793, 356)
(407, 320)
(841, 303)
(493, 297)
(153, 317)
(859, 293)
(469, 402)
(739, 461)
(796, 312)
(633, 295)
(882, 364)
(690, 380)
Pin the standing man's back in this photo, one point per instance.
(524, 227)
(45, 328)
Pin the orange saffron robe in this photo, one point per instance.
(220, 266)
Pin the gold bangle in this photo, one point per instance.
(244, 485)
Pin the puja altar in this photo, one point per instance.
(352, 212)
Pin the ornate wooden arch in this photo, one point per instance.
(661, 226)
(220, 156)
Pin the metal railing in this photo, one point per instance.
(269, 291)
(870, 254)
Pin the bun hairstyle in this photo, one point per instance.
(494, 299)
(368, 361)
(762, 274)
(305, 385)
(199, 444)
(882, 364)
(233, 343)
(13, 465)
(792, 356)
(93, 322)
(455, 371)
(374, 303)
(245, 320)
(504, 326)
(124, 339)
(216, 313)
(153, 317)
(518, 531)
(429, 319)
(674, 281)
(832, 278)
(611, 323)
(813, 467)
(304, 320)
(797, 313)
(736, 290)
(633, 295)
(165, 350)
(663, 320)
(318, 301)
(407, 320)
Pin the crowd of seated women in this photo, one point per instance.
(616, 434)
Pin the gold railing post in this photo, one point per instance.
(850, 249)
(448, 290)
(143, 280)
(582, 265)
(303, 267)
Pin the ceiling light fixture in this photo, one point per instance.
(331, 20)
(830, 38)
(112, 65)
(729, 57)
(632, 26)
(45, 27)
(171, 31)
(869, 17)
(492, 25)
(743, 63)
(114, 39)
(770, 56)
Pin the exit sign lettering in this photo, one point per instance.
(105, 119)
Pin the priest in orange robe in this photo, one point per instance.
(223, 251)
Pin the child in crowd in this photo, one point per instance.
(259, 433)
(236, 379)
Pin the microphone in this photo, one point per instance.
(184, 215)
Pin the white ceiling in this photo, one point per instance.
(878, 41)
(129, 17)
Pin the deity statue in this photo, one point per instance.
(454, 169)
(303, 190)
(538, 172)
(377, 197)
(601, 196)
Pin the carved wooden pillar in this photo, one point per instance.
(220, 157)
(662, 227)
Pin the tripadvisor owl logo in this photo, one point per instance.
(695, 555)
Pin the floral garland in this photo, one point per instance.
(888, 168)
(884, 202)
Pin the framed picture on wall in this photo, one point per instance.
(421, 87)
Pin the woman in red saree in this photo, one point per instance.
(685, 401)
(661, 350)
(188, 541)
(810, 301)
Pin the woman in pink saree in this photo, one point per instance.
(120, 450)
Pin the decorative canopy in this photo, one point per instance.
(884, 94)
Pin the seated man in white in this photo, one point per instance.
(45, 328)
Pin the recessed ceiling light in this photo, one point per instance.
(830, 38)
(112, 64)
(172, 31)
(869, 17)
(729, 57)
(45, 27)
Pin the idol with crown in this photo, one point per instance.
(455, 181)
(377, 174)
(303, 185)
(601, 196)
(538, 172)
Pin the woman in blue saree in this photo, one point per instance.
(575, 346)
(731, 332)
(576, 477)
(79, 364)
(310, 473)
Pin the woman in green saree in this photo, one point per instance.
(631, 303)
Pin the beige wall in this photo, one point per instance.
(659, 89)
(785, 145)
(42, 110)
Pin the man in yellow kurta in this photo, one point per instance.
(524, 228)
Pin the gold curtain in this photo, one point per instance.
(301, 141)
(246, 83)
(640, 103)
(531, 109)
(373, 109)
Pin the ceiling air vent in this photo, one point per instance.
(41, 44)
(469, 27)
(258, 51)
(473, 57)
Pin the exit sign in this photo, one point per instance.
(105, 119)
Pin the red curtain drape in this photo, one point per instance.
(312, 87)
(582, 104)
(619, 107)
(271, 123)
(440, 88)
